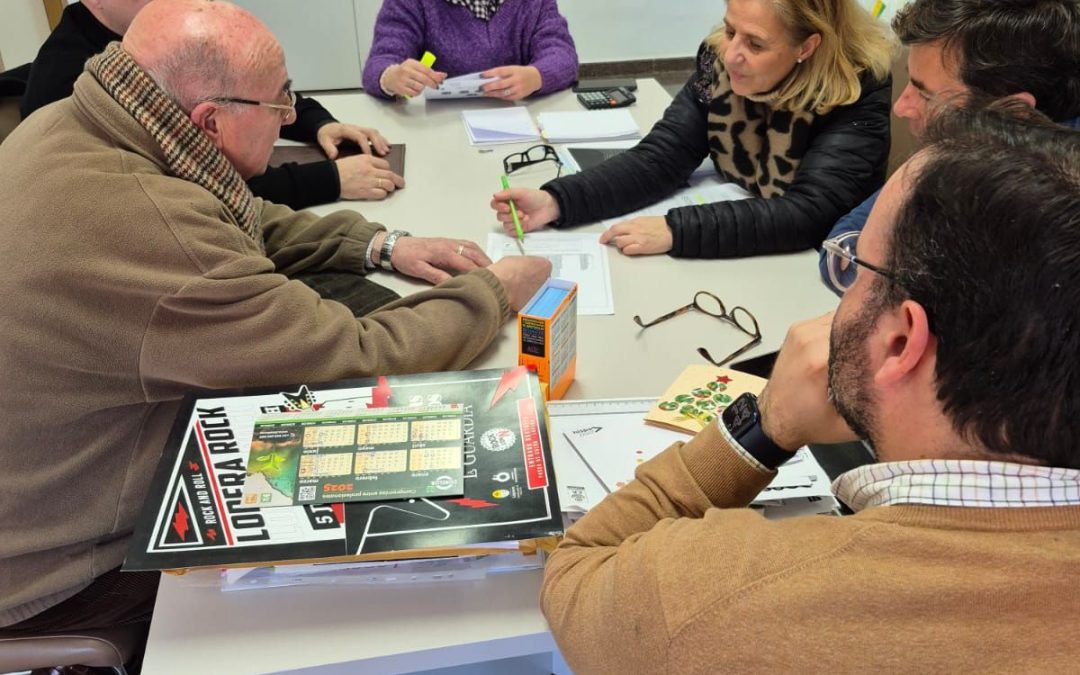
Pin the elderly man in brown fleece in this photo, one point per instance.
(138, 266)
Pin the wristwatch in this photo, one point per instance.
(742, 419)
(387, 249)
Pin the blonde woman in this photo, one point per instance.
(790, 98)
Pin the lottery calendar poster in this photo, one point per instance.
(356, 455)
(196, 515)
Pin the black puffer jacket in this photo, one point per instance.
(844, 163)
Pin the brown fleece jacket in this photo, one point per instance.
(123, 288)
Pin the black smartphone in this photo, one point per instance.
(627, 83)
(759, 365)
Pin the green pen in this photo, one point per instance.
(514, 213)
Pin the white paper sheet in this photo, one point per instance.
(580, 258)
(504, 125)
(462, 86)
(595, 455)
(587, 125)
(704, 189)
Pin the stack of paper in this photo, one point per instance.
(430, 570)
(462, 86)
(505, 125)
(588, 125)
(574, 256)
(597, 446)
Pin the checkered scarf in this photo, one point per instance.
(188, 152)
(481, 9)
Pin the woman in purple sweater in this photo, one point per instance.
(524, 43)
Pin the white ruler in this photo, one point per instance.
(600, 406)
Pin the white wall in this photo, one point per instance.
(23, 27)
(604, 30)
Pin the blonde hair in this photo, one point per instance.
(852, 42)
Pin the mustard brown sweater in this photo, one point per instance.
(122, 288)
(671, 575)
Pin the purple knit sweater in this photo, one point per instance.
(522, 33)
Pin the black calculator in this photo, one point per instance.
(612, 98)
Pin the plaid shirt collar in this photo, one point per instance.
(957, 482)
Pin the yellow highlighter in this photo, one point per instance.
(428, 59)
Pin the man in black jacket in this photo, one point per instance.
(87, 27)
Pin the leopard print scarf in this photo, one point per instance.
(481, 9)
(188, 152)
(750, 142)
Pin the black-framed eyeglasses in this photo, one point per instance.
(286, 111)
(534, 155)
(842, 263)
(708, 303)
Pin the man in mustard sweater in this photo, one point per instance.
(138, 266)
(955, 352)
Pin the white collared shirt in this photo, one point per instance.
(957, 482)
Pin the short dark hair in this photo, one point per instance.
(1006, 46)
(987, 240)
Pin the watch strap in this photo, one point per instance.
(762, 448)
(387, 250)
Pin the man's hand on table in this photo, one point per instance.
(521, 276)
(795, 406)
(367, 177)
(333, 134)
(434, 259)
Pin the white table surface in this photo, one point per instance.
(394, 629)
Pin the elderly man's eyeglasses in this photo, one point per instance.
(534, 155)
(707, 303)
(842, 263)
(286, 111)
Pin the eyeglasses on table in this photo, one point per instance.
(534, 155)
(708, 303)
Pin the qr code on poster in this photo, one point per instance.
(307, 493)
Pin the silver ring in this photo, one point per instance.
(460, 249)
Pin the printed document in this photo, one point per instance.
(580, 258)
(462, 86)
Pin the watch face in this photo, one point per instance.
(741, 415)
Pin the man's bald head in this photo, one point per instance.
(196, 49)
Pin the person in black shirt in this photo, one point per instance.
(87, 27)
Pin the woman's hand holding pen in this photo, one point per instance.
(535, 208)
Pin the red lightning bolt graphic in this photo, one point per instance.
(509, 382)
(473, 503)
(193, 466)
(211, 534)
(180, 522)
(380, 395)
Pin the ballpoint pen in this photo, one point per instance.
(514, 215)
